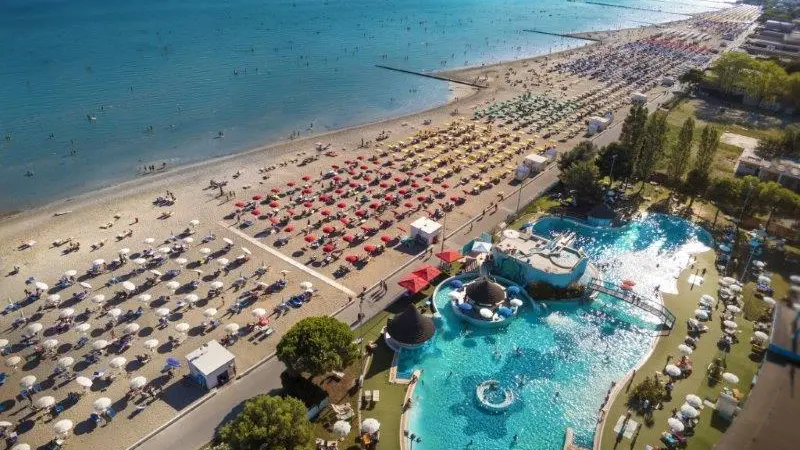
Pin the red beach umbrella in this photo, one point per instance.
(310, 238)
(353, 184)
(291, 183)
(408, 204)
(337, 178)
(427, 272)
(274, 220)
(426, 179)
(449, 255)
(367, 178)
(388, 197)
(306, 177)
(275, 190)
(360, 157)
(338, 190)
(352, 259)
(327, 229)
(369, 248)
(274, 204)
(328, 248)
(421, 198)
(349, 238)
(308, 204)
(345, 221)
(239, 204)
(307, 191)
(384, 185)
(415, 184)
(325, 212)
(402, 191)
(289, 228)
(445, 185)
(361, 213)
(386, 238)
(455, 198)
(256, 212)
(291, 211)
(257, 197)
(398, 179)
(374, 205)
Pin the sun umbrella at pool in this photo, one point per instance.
(672, 370)
(734, 309)
(66, 312)
(84, 382)
(675, 424)
(66, 362)
(102, 404)
(138, 382)
(694, 400)
(150, 344)
(50, 344)
(730, 378)
(63, 426)
(32, 329)
(730, 324)
(182, 327)
(27, 381)
(232, 328)
(174, 285)
(685, 349)
(44, 402)
(516, 302)
(98, 299)
(760, 335)
(341, 428)
(117, 362)
(54, 299)
(485, 313)
(701, 314)
(131, 328)
(370, 426)
(99, 344)
(688, 411)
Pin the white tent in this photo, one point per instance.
(211, 364)
(426, 230)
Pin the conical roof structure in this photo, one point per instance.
(410, 327)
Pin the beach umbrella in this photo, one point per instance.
(165, 250)
(486, 313)
(50, 344)
(13, 361)
(66, 312)
(769, 300)
(84, 382)
(760, 335)
(730, 324)
(239, 204)
(131, 328)
(310, 238)
(701, 314)
(672, 370)
(255, 212)
(192, 298)
(327, 229)
(196, 222)
(140, 261)
(162, 312)
(516, 302)
(289, 228)
(27, 381)
(351, 259)
(685, 349)
(124, 251)
(99, 298)
(149, 240)
(70, 273)
(173, 285)
(694, 400)
(84, 327)
(44, 402)
(232, 328)
(150, 344)
(369, 248)
(370, 426)
(138, 382)
(688, 411)
(102, 404)
(727, 281)
(41, 286)
(114, 313)
(341, 428)
(258, 312)
(22, 446)
(173, 363)
(708, 299)
(182, 327)
(32, 329)
(734, 309)
(85, 285)
(223, 261)
(145, 298)
(98, 262)
(3, 343)
(181, 261)
(735, 288)
(210, 312)
(675, 424)
(63, 426)
(349, 238)
(117, 362)
(54, 299)
(99, 344)
(465, 306)
(205, 250)
(730, 378)
(227, 241)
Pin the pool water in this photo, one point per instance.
(559, 360)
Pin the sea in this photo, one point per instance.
(93, 90)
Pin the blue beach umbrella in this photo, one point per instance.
(173, 363)
(504, 311)
(456, 284)
(465, 306)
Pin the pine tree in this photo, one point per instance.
(679, 157)
(632, 131)
(652, 146)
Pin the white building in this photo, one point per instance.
(211, 365)
(426, 230)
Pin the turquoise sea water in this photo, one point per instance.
(162, 78)
(570, 355)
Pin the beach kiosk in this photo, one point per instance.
(211, 365)
(535, 162)
(598, 124)
(426, 230)
(638, 98)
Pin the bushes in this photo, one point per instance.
(546, 291)
(649, 389)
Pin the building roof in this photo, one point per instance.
(210, 357)
(602, 211)
(426, 225)
(410, 327)
(485, 292)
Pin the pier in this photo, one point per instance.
(626, 295)
(571, 36)
(637, 8)
(435, 77)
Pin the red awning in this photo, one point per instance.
(449, 255)
(427, 272)
(413, 283)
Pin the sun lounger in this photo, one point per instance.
(376, 395)
(367, 396)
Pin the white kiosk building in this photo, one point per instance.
(211, 365)
(426, 230)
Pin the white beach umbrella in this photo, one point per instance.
(341, 428)
(727, 280)
(194, 222)
(54, 299)
(124, 251)
(188, 240)
(694, 400)
(258, 312)
(216, 285)
(50, 344)
(685, 349)
(140, 261)
(131, 328)
(4, 343)
(192, 298)
(114, 313)
(83, 327)
(761, 336)
(138, 382)
(27, 381)
(149, 240)
(182, 327)
(5, 424)
(145, 298)
(516, 302)
(99, 298)
(99, 344)
(205, 250)
(66, 312)
(734, 309)
(22, 446)
(13, 361)
(701, 314)
(128, 286)
(44, 402)
(32, 329)
(63, 426)
(672, 370)
(84, 382)
(675, 424)
(688, 411)
(769, 300)
(102, 404)
(162, 312)
(156, 272)
(730, 324)
(210, 312)
(150, 344)
(232, 328)
(227, 241)
(735, 288)
(66, 362)
(70, 273)
(306, 285)
(370, 426)
(98, 262)
(181, 261)
(794, 279)
(85, 285)
(165, 250)
(174, 285)
(708, 298)
(42, 286)
(247, 251)
(223, 262)
(485, 313)
(117, 362)
(730, 378)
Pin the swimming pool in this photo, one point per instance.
(568, 356)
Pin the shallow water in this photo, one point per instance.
(257, 70)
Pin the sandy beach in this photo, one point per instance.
(431, 153)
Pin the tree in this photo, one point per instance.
(649, 390)
(583, 178)
(700, 176)
(317, 345)
(584, 151)
(793, 90)
(765, 81)
(692, 76)
(269, 422)
(617, 157)
(785, 146)
(749, 191)
(632, 131)
(678, 159)
(730, 70)
(653, 144)
(723, 192)
(778, 200)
